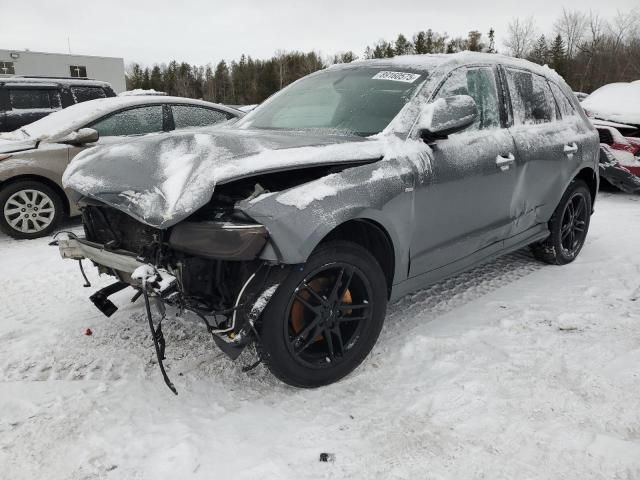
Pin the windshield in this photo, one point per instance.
(360, 101)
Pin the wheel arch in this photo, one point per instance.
(589, 176)
(372, 236)
(44, 180)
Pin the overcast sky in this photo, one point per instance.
(200, 31)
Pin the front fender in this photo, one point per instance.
(299, 218)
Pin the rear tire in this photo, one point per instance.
(325, 317)
(29, 209)
(569, 225)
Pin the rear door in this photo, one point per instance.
(547, 146)
(466, 205)
(193, 116)
(30, 103)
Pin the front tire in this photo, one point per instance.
(568, 226)
(29, 209)
(325, 317)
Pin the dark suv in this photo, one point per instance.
(26, 99)
(352, 187)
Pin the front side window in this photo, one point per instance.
(7, 68)
(33, 98)
(83, 94)
(531, 98)
(78, 71)
(135, 121)
(185, 116)
(353, 100)
(480, 84)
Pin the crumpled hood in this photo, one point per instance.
(162, 179)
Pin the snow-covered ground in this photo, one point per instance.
(515, 370)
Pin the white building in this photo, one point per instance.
(25, 62)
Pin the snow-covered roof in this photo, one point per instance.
(618, 102)
(141, 91)
(53, 81)
(428, 62)
(76, 116)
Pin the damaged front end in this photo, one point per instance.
(207, 265)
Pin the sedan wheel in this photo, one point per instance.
(29, 209)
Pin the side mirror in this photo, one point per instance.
(445, 116)
(80, 137)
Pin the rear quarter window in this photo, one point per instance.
(564, 104)
(33, 98)
(531, 98)
(83, 94)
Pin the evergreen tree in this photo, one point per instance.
(420, 43)
(557, 55)
(492, 41)
(474, 41)
(155, 80)
(540, 51)
(222, 83)
(402, 46)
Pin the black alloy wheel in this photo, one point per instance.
(326, 314)
(568, 227)
(325, 317)
(573, 229)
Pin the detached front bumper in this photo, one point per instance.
(76, 248)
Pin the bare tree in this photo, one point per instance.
(572, 26)
(521, 35)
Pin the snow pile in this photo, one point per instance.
(618, 102)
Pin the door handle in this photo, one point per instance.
(571, 148)
(505, 162)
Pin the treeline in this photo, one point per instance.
(242, 82)
(586, 49)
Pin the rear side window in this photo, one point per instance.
(32, 98)
(83, 94)
(480, 84)
(185, 116)
(564, 105)
(531, 98)
(135, 121)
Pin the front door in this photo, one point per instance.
(466, 205)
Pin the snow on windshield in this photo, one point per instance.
(619, 102)
(359, 100)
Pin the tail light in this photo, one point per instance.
(634, 144)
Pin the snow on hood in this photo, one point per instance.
(618, 102)
(162, 179)
(10, 145)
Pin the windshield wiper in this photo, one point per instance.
(22, 130)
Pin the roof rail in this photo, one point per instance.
(8, 75)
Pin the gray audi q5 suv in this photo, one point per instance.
(294, 227)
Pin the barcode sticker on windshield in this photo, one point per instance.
(396, 76)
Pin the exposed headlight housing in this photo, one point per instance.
(219, 240)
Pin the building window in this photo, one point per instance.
(6, 68)
(78, 71)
